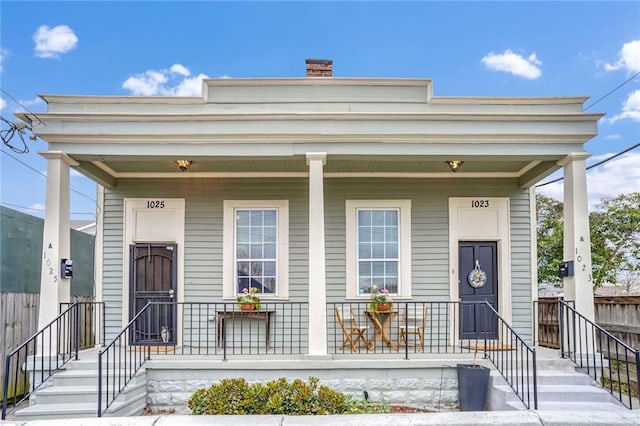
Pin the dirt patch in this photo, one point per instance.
(407, 409)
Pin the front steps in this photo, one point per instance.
(73, 393)
(560, 387)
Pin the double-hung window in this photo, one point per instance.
(378, 247)
(256, 247)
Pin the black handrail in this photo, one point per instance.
(592, 348)
(121, 361)
(59, 341)
(514, 359)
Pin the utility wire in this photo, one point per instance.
(19, 103)
(599, 163)
(42, 174)
(40, 210)
(617, 87)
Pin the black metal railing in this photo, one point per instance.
(120, 360)
(514, 359)
(407, 328)
(91, 316)
(225, 329)
(604, 357)
(33, 362)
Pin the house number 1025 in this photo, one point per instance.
(155, 204)
(479, 204)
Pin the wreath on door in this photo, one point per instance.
(477, 277)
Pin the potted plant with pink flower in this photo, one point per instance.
(248, 300)
(380, 300)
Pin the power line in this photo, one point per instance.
(617, 87)
(40, 210)
(19, 103)
(594, 165)
(43, 175)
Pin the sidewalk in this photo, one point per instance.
(484, 418)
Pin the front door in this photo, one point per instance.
(478, 282)
(153, 279)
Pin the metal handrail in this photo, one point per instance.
(91, 315)
(517, 365)
(62, 350)
(581, 336)
(127, 366)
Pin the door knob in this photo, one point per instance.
(171, 294)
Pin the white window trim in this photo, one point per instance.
(228, 246)
(404, 266)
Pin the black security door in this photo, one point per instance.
(478, 282)
(153, 279)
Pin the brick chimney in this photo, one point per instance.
(319, 67)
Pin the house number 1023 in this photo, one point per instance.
(155, 204)
(479, 204)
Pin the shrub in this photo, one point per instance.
(236, 396)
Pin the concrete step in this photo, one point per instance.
(572, 393)
(81, 410)
(580, 406)
(552, 377)
(82, 394)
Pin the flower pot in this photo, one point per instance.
(473, 385)
(383, 307)
(247, 307)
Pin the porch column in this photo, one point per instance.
(317, 279)
(577, 240)
(56, 237)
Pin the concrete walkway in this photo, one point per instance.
(527, 418)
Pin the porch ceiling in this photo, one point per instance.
(107, 169)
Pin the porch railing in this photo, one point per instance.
(119, 361)
(514, 359)
(42, 354)
(91, 317)
(604, 357)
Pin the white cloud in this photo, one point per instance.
(174, 81)
(3, 55)
(618, 176)
(3, 104)
(614, 136)
(32, 105)
(629, 58)
(51, 42)
(630, 108)
(513, 63)
(180, 69)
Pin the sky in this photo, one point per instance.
(506, 48)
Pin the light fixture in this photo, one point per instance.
(454, 164)
(184, 164)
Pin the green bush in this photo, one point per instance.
(236, 396)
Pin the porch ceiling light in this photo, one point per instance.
(184, 164)
(454, 164)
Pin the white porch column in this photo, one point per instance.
(577, 241)
(56, 237)
(317, 279)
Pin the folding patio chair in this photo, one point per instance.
(413, 322)
(353, 332)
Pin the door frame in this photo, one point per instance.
(481, 219)
(173, 216)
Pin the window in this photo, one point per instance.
(256, 247)
(378, 247)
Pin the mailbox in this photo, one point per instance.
(66, 268)
(566, 269)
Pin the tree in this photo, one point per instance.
(615, 239)
(550, 238)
